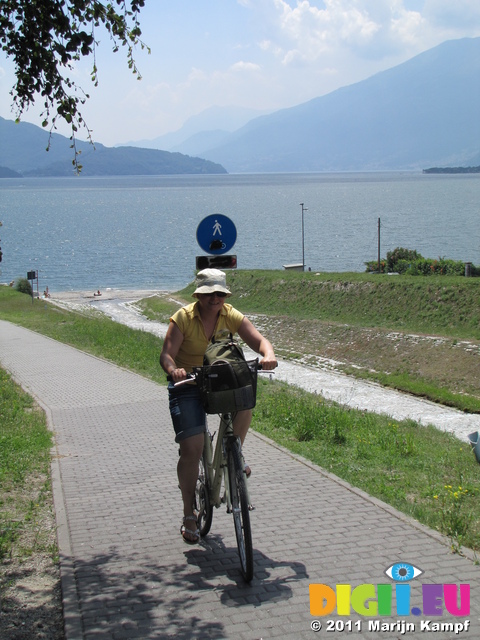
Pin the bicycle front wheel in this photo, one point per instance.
(241, 513)
(202, 505)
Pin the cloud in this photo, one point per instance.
(307, 31)
(245, 66)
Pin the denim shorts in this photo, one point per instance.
(186, 409)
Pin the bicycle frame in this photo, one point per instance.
(216, 462)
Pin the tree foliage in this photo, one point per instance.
(46, 37)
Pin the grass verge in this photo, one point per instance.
(29, 577)
(25, 444)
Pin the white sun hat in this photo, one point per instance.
(211, 280)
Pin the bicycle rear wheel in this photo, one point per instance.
(202, 505)
(241, 513)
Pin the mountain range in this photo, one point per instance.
(416, 115)
(23, 152)
(209, 127)
(419, 114)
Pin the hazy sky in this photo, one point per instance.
(262, 54)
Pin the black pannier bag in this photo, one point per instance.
(227, 381)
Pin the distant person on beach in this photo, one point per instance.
(46, 294)
(97, 294)
(189, 332)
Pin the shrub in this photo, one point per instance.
(23, 286)
(410, 262)
(400, 253)
(372, 266)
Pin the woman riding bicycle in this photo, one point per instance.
(190, 330)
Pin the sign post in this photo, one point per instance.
(33, 275)
(216, 235)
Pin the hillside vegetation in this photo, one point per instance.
(447, 306)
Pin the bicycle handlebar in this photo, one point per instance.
(192, 376)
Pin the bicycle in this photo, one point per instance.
(225, 465)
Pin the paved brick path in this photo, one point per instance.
(126, 572)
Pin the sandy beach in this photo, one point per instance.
(82, 297)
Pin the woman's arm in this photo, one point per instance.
(171, 345)
(249, 334)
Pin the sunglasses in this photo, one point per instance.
(219, 294)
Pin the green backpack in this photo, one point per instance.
(227, 381)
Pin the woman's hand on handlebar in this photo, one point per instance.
(268, 363)
(177, 375)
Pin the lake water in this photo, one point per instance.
(140, 232)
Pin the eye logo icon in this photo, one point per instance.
(403, 572)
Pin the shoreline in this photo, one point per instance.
(87, 296)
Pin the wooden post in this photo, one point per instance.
(304, 208)
(379, 271)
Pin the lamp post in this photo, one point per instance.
(304, 208)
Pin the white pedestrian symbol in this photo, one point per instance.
(217, 228)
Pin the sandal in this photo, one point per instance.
(192, 532)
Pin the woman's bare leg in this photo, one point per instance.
(187, 470)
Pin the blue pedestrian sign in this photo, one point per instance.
(216, 234)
